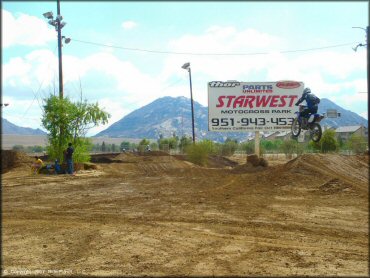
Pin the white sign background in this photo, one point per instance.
(252, 106)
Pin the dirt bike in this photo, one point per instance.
(310, 123)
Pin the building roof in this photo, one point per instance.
(283, 133)
(269, 134)
(351, 128)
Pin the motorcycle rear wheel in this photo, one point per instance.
(296, 127)
(316, 132)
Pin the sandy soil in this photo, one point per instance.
(162, 215)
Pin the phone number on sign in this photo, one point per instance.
(251, 121)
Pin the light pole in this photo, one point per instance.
(186, 66)
(58, 24)
(368, 69)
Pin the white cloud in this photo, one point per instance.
(121, 86)
(364, 114)
(127, 25)
(25, 30)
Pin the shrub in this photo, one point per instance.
(357, 144)
(248, 147)
(328, 141)
(18, 148)
(288, 147)
(198, 153)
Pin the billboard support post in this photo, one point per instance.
(257, 143)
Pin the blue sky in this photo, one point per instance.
(122, 80)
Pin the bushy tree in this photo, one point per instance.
(358, 144)
(248, 147)
(328, 141)
(185, 142)
(125, 145)
(198, 153)
(19, 148)
(144, 142)
(288, 147)
(103, 147)
(171, 142)
(229, 147)
(67, 122)
(154, 146)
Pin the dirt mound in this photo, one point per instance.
(220, 162)
(154, 153)
(12, 159)
(348, 169)
(256, 161)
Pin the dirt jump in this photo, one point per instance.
(161, 215)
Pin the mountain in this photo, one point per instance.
(9, 128)
(170, 115)
(347, 117)
(166, 116)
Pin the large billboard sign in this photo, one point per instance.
(252, 106)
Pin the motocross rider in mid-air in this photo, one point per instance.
(312, 104)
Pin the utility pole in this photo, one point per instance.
(368, 70)
(59, 29)
(186, 66)
(58, 24)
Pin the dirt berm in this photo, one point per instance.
(160, 215)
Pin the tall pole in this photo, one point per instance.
(192, 106)
(368, 79)
(59, 29)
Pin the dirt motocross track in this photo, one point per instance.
(161, 215)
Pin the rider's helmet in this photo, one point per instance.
(307, 91)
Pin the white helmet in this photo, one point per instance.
(307, 91)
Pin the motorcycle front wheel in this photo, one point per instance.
(296, 127)
(316, 132)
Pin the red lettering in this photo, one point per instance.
(251, 100)
(262, 100)
(230, 99)
(239, 101)
(283, 102)
(274, 100)
(220, 101)
(292, 100)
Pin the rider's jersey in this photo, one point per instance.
(310, 100)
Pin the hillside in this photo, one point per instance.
(166, 116)
(170, 115)
(347, 117)
(9, 128)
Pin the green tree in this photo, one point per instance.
(248, 147)
(328, 142)
(154, 146)
(19, 148)
(171, 142)
(125, 145)
(229, 147)
(184, 143)
(144, 142)
(358, 144)
(67, 122)
(103, 147)
(198, 153)
(289, 147)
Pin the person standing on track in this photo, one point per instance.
(69, 154)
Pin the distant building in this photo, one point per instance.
(284, 135)
(345, 132)
(270, 136)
